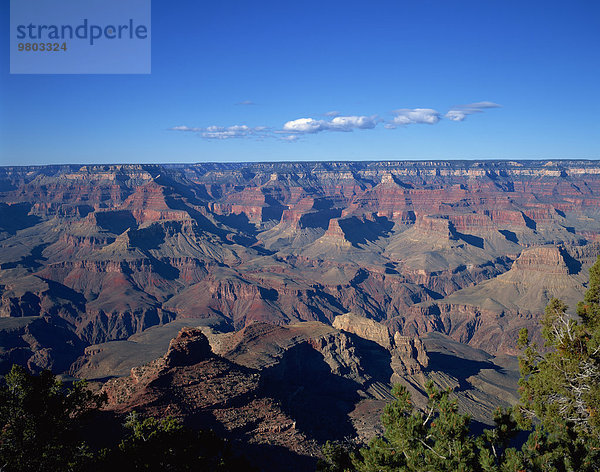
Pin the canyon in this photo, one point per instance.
(258, 291)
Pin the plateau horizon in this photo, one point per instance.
(435, 163)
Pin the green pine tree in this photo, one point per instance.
(436, 439)
(560, 389)
(41, 422)
(164, 445)
(560, 405)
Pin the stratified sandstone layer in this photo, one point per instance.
(470, 249)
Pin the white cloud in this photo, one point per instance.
(349, 123)
(304, 125)
(183, 128)
(456, 115)
(407, 116)
(460, 112)
(332, 113)
(246, 102)
(482, 105)
(220, 132)
(226, 132)
(339, 123)
(293, 129)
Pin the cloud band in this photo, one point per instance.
(294, 129)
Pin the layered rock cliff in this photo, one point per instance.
(269, 385)
(115, 249)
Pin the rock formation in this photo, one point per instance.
(365, 328)
(412, 353)
(301, 287)
(408, 352)
(419, 246)
(270, 385)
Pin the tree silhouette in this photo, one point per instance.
(41, 422)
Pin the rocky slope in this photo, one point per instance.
(301, 288)
(450, 247)
(279, 392)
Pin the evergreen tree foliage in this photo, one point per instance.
(436, 439)
(166, 445)
(560, 406)
(41, 421)
(495, 455)
(337, 457)
(560, 389)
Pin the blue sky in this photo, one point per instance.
(230, 80)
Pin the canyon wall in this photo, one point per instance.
(470, 249)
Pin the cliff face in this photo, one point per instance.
(115, 249)
(365, 328)
(39, 343)
(299, 385)
(208, 391)
(545, 260)
(407, 352)
(249, 383)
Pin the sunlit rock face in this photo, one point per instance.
(470, 249)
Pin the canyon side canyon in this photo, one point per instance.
(244, 296)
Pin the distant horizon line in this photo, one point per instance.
(333, 161)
